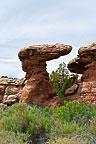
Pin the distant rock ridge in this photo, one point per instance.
(85, 64)
(33, 58)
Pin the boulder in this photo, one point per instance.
(33, 58)
(71, 90)
(9, 100)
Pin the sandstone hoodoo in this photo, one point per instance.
(33, 58)
(85, 64)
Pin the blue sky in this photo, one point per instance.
(28, 22)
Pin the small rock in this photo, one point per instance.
(71, 90)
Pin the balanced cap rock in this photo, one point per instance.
(86, 55)
(33, 58)
(85, 64)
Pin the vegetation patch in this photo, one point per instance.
(9, 92)
(60, 80)
(42, 125)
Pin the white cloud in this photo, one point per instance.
(30, 22)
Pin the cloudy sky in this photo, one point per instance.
(28, 22)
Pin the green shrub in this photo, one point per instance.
(8, 77)
(72, 111)
(8, 137)
(72, 140)
(67, 84)
(21, 118)
(60, 80)
(91, 129)
(43, 123)
(4, 76)
(67, 128)
(3, 108)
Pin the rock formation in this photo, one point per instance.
(33, 58)
(9, 89)
(85, 64)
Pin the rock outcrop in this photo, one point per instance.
(33, 58)
(10, 99)
(9, 89)
(85, 64)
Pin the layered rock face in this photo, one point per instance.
(85, 64)
(9, 89)
(33, 58)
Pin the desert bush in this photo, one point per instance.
(92, 125)
(91, 129)
(42, 123)
(18, 118)
(8, 137)
(26, 119)
(72, 140)
(72, 111)
(75, 119)
(68, 128)
(2, 108)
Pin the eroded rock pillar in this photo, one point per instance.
(37, 88)
(85, 64)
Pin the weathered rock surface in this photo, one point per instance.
(10, 87)
(33, 58)
(86, 55)
(9, 100)
(12, 81)
(71, 90)
(85, 64)
(2, 90)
